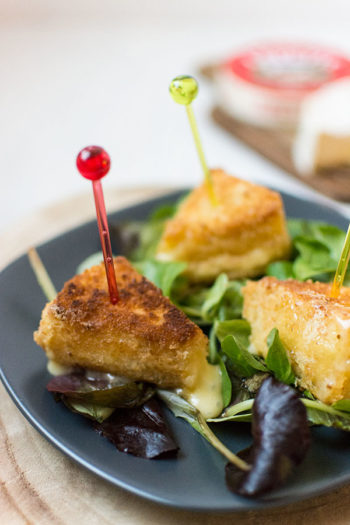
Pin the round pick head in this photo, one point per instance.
(93, 162)
(183, 89)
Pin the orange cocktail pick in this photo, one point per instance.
(93, 163)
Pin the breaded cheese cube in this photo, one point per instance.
(143, 337)
(239, 236)
(314, 328)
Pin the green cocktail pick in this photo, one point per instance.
(342, 266)
(184, 90)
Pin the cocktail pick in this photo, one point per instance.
(342, 266)
(93, 163)
(41, 274)
(184, 90)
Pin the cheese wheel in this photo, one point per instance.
(323, 136)
(266, 84)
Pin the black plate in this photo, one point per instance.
(196, 479)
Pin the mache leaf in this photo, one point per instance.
(317, 248)
(239, 328)
(321, 414)
(162, 274)
(214, 297)
(342, 404)
(243, 410)
(281, 438)
(231, 305)
(242, 362)
(298, 227)
(281, 270)
(318, 413)
(329, 235)
(222, 301)
(89, 410)
(315, 258)
(213, 347)
(277, 359)
(164, 212)
(226, 385)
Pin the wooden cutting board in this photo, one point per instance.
(276, 146)
(40, 485)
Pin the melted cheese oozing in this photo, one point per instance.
(56, 369)
(206, 394)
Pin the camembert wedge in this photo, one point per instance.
(314, 328)
(239, 236)
(144, 337)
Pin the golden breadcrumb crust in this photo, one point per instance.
(314, 328)
(239, 236)
(143, 337)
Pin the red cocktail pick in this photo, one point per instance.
(93, 163)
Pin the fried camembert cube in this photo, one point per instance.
(239, 236)
(314, 328)
(143, 337)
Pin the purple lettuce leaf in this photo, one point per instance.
(281, 438)
(141, 431)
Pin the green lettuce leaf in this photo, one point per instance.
(329, 235)
(213, 347)
(318, 414)
(315, 259)
(239, 328)
(242, 362)
(237, 412)
(232, 302)
(277, 360)
(226, 384)
(223, 300)
(281, 270)
(214, 297)
(162, 274)
(89, 410)
(163, 212)
(322, 414)
(343, 404)
(317, 248)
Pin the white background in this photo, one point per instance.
(79, 72)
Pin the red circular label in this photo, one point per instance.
(294, 67)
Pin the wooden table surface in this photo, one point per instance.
(40, 485)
